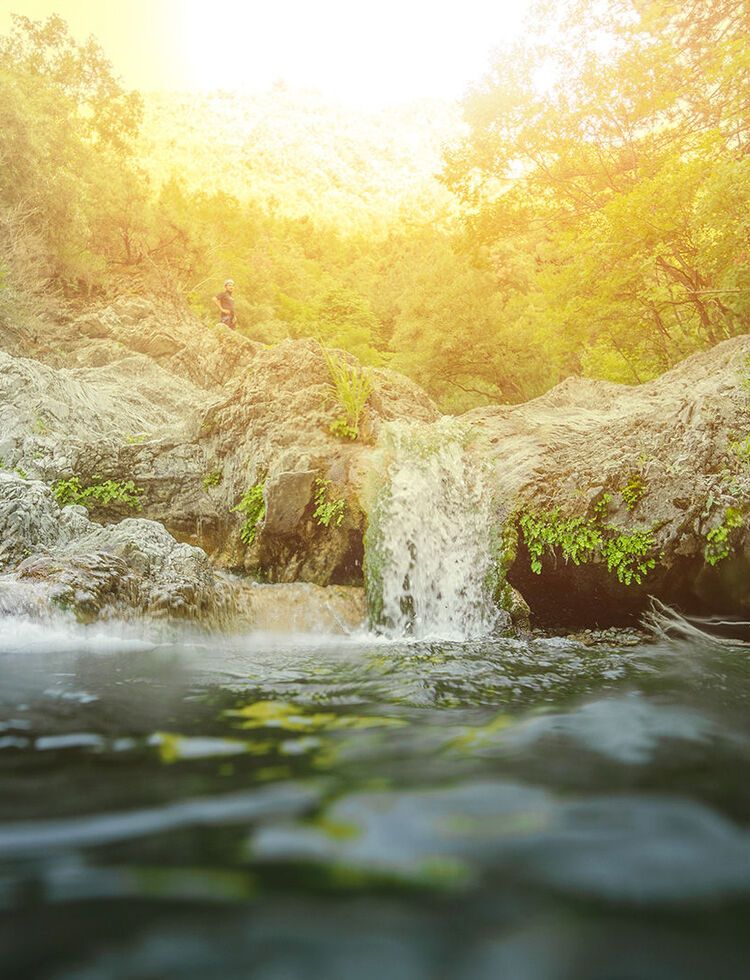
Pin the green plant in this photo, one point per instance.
(327, 511)
(351, 387)
(633, 491)
(212, 479)
(630, 556)
(740, 448)
(718, 545)
(136, 438)
(253, 506)
(104, 493)
(341, 428)
(503, 550)
(577, 538)
(40, 427)
(601, 507)
(22, 473)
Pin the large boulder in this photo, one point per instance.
(668, 461)
(135, 565)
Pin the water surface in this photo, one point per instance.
(269, 806)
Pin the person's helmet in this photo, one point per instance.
(229, 282)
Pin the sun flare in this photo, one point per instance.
(366, 53)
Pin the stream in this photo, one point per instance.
(179, 804)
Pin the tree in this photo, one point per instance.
(619, 157)
(65, 126)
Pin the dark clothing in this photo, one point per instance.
(227, 303)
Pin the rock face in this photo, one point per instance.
(95, 569)
(670, 458)
(195, 417)
(57, 557)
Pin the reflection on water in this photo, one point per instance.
(266, 806)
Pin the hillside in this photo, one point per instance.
(303, 156)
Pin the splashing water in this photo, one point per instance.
(428, 544)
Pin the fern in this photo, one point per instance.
(633, 491)
(327, 512)
(630, 556)
(104, 493)
(351, 387)
(253, 506)
(718, 546)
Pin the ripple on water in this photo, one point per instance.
(537, 809)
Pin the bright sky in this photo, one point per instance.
(361, 51)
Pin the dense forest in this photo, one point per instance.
(586, 212)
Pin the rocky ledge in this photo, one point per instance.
(197, 452)
(619, 493)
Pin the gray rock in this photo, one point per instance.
(142, 392)
(135, 565)
(145, 393)
(583, 439)
(288, 496)
(87, 583)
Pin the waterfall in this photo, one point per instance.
(428, 551)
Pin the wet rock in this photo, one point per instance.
(576, 449)
(288, 496)
(173, 578)
(301, 608)
(516, 607)
(135, 565)
(87, 583)
(24, 598)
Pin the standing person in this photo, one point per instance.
(225, 302)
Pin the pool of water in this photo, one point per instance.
(280, 807)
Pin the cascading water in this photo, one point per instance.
(428, 550)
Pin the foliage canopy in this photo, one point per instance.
(593, 216)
